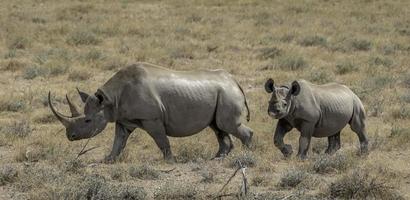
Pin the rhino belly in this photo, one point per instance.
(189, 118)
(331, 125)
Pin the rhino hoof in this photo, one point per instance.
(108, 160)
(287, 150)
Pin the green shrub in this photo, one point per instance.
(269, 53)
(19, 128)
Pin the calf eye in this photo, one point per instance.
(285, 104)
(87, 120)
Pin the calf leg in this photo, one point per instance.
(120, 140)
(225, 142)
(334, 143)
(156, 130)
(304, 140)
(358, 125)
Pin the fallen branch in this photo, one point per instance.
(244, 187)
(85, 145)
(167, 171)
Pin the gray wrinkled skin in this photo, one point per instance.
(315, 111)
(164, 103)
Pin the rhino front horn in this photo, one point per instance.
(62, 118)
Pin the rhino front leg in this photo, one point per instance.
(120, 140)
(281, 129)
(156, 130)
(304, 140)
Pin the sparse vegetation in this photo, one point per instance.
(60, 45)
(292, 177)
(361, 185)
(169, 190)
(143, 172)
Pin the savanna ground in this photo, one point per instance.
(59, 45)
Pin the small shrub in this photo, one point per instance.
(114, 64)
(144, 172)
(38, 20)
(360, 185)
(292, 178)
(405, 97)
(345, 68)
(19, 42)
(321, 76)
(315, 40)
(83, 38)
(8, 174)
(14, 65)
(73, 165)
(291, 62)
(181, 52)
(207, 176)
(360, 44)
(176, 191)
(269, 53)
(12, 105)
(246, 159)
(259, 181)
(78, 75)
(403, 112)
(187, 153)
(400, 134)
(34, 71)
(326, 163)
(377, 61)
(116, 173)
(94, 55)
(19, 128)
(45, 118)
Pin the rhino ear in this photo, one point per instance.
(84, 96)
(269, 85)
(295, 89)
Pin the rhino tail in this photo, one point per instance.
(248, 116)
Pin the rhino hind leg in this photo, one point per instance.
(228, 119)
(334, 143)
(357, 124)
(224, 140)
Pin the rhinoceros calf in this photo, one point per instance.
(164, 103)
(315, 111)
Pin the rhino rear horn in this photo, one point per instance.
(66, 121)
(73, 108)
(84, 96)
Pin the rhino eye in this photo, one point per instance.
(87, 120)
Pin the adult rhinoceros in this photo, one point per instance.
(315, 111)
(164, 103)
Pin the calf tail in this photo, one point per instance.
(248, 116)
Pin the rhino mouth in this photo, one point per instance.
(276, 115)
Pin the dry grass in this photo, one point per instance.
(59, 45)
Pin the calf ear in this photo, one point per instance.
(269, 85)
(84, 96)
(295, 89)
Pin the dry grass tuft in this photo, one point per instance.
(361, 185)
(292, 177)
(169, 190)
(8, 174)
(145, 172)
(325, 163)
